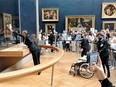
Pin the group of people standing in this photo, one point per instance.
(86, 42)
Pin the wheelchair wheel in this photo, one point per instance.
(84, 71)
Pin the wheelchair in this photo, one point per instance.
(82, 67)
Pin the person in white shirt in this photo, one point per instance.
(64, 36)
(112, 42)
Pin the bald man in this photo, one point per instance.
(33, 47)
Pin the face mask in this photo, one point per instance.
(100, 38)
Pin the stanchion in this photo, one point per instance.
(55, 34)
(52, 75)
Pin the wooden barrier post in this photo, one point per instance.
(52, 75)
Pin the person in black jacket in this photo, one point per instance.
(103, 46)
(1, 36)
(51, 39)
(85, 47)
(33, 47)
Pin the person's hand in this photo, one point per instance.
(81, 50)
(11, 29)
(92, 67)
(94, 63)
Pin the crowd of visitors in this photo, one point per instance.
(82, 42)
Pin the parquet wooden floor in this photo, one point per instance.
(61, 76)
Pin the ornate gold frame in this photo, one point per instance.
(50, 14)
(111, 25)
(52, 26)
(7, 20)
(77, 21)
(109, 10)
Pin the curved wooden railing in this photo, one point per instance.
(31, 70)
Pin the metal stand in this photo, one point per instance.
(55, 39)
(52, 75)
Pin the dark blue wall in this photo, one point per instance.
(28, 15)
(74, 7)
(66, 7)
(9, 6)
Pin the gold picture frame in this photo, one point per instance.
(79, 22)
(111, 25)
(50, 14)
(109, 10)
(50, 28)
(7, 23)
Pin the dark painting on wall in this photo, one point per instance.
(79, 22)
(1, 22)
(50, 28)
(111, 25)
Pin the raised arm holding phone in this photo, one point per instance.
(97, 68)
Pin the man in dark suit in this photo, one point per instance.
(103, 46)
(33, 47)
(51, 39)
(1, 36)
(85, 47)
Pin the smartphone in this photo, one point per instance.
(93, 58)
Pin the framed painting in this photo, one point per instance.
(111, 25)
(50, 14)
(78, 23)
(7, 24)
(50, 28)
(109, 10)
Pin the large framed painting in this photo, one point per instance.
(50, 14)
(111, 25)
(79, 23)
(109, 10)
(7, 24)
(50, 28)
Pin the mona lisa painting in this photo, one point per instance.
(7, 22)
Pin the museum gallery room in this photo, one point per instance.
(57, 43)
